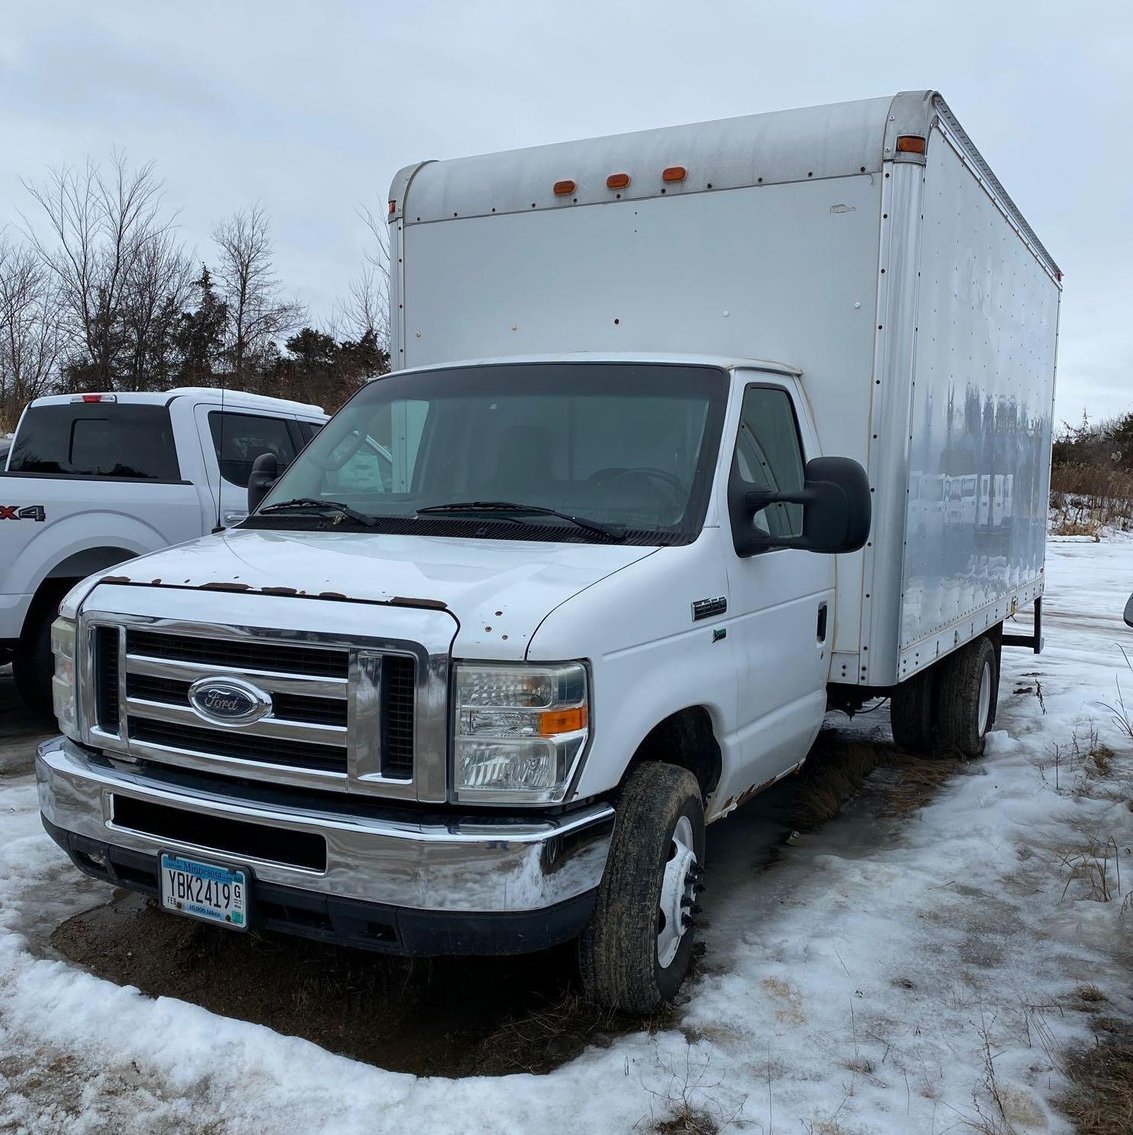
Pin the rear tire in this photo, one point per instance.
(635, 952)
(966, 698)
(911, 706)
(33, 665)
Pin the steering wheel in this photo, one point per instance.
(350, 444)
(648, 473)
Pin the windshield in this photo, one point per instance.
(628, 447)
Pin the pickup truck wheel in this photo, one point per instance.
(635, 952)
(33, 664)
(966, 697)
(911, 712)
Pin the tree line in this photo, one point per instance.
(98, 291)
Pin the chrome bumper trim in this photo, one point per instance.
(460, 865)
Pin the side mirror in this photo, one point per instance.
(836, 510)
(265, 472)
(1129, 611)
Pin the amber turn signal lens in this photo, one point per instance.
(911, 144)
(554, 721)
(617, 181)
(674, 173)
(564, 188)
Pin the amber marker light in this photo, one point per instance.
(564, 188)
(617, 181)
(554, 721)
(911, 144)
(674, 173)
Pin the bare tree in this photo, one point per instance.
(108, 233)
(30, 329)
(364, 311)
(248, 286)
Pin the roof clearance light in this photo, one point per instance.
(674, 173)
(911, 144)
(617, 181)
(392, 208)
(564, 188)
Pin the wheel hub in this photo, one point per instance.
(678, 893)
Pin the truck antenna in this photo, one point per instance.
(220, 458)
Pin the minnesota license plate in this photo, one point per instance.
(204, 890)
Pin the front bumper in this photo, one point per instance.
(330, 868)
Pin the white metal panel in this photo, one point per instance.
(809, 143)
(986, 333)
(785, 272)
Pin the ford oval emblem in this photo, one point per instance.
(229, 701)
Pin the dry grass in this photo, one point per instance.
(1086, 498)
(1101, 1099)
(835, 772)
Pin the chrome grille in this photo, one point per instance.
(338, 713)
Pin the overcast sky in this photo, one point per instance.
(311, 108)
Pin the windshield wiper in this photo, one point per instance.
(610, 531)
(310, 504)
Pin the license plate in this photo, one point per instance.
(204, 890)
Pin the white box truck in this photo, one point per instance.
(585, 573)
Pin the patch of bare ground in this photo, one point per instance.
(837, 770)
(1100, 1101)
(444, 1016)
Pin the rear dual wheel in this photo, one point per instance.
(949, 708)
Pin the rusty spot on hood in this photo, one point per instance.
(154, 582)
(426, 604)
(331, 595)
(115, 579)
(226, 587)
(280, 590)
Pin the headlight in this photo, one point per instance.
(518, 731)
(63, 697)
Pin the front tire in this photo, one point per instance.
(33, 664)
(636, 950)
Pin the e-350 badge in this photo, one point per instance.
(30, 512)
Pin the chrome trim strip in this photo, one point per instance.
(273, 727)
(273, 682)
(233, 766)
(450, 865)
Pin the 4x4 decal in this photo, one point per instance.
(31, 512)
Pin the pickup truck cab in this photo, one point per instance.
(95, 479)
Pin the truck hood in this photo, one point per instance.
(498, 590)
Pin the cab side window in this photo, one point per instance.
(240, 438)
(769, 455)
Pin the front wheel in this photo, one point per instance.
(635, 952)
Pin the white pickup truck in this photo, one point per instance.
(484, 693)
(94, 479)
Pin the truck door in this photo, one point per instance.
(782, 601)
(231, 440)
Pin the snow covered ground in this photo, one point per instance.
(911, 975)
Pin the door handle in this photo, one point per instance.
(822, 609)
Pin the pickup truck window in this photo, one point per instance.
(97, 440)
(621, 444)
(769, 455)
(239, 439)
